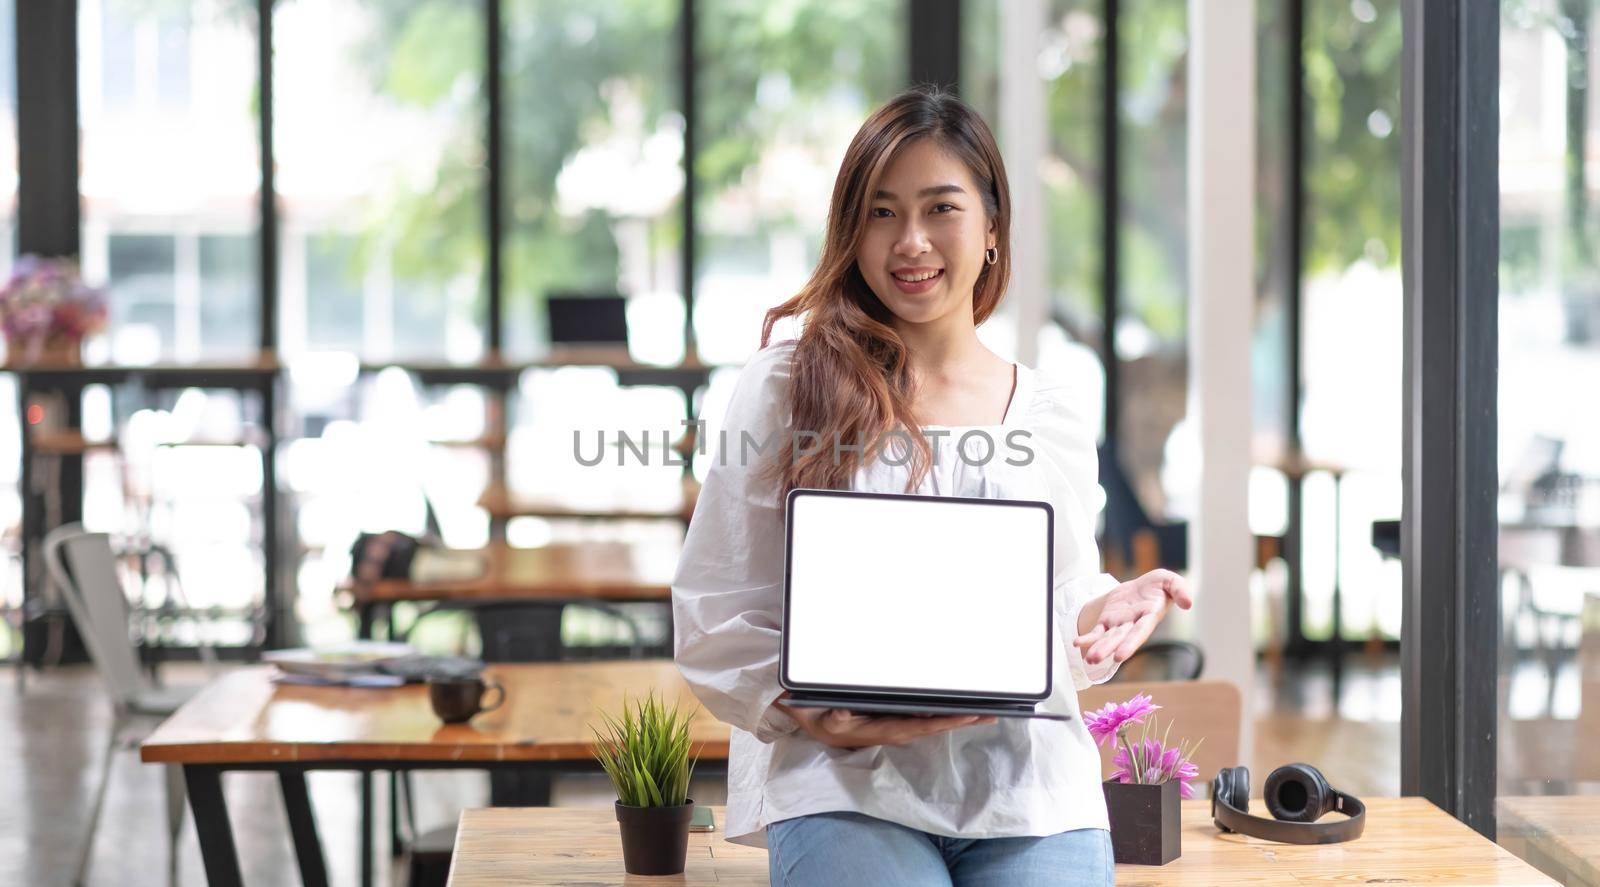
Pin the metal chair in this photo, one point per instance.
(151, 625)
(1209, 710)
(1134, 542)
(1162, 661)
(531, 632)
(83, 567)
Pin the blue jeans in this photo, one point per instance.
(845, 849)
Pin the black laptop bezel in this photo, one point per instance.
(912, 693)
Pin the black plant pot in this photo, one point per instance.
(655, 840)
(1144, 821)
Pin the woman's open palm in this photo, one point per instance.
(1132, 611)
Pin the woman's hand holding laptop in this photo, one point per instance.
(1113, 626)
(839, 728)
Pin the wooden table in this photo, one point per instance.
(1406, 840)
(1560, 833)
(244, 721)
(560, 573)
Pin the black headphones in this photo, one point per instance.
(1296, 795)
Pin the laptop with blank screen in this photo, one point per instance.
(917, 605)
(587, 320)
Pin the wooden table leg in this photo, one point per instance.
(204, 784)
(303, 828)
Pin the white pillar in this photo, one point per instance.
(1222, 132)
(1022, 145)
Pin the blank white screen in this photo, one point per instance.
(919, 594)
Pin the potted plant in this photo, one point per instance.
(646, 754)
(1149, 778)
(46, 311)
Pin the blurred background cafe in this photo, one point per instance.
(305, 300)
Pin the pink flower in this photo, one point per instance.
(1158, 764)
(1105, 724)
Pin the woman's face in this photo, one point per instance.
(926, 233)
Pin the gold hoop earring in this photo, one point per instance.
(991, 255)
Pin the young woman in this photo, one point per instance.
(915, 258)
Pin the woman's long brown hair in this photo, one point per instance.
(851, 376)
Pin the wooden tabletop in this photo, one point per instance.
(246, 718)
(257, 362)
(1300, 465)
(503, 505)
(65, 442)
(1406, 839)
(611, 357)
(611, 571)
(1560, 832)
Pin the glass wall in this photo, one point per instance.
(1349, 279)
(1071, 64)
(1549, 441)
(1269, 351)
(595, 168)
(783, 88)
(1350, 411)
(171, 176)
(379, 120)
(170, 179)
(1151, 336)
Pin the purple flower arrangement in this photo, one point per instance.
(1147, 760)
(46, 306)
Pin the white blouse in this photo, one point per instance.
(1020, 776)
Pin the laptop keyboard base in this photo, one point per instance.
(924, 709)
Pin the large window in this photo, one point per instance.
(1073, 68)
(1150, 339)
(783, 89)
(378, 116)
(594, 167)
(170, 175)
(1072, 174)
(1549, 448)
(1351, 408)
(381, 116)
(171, 180)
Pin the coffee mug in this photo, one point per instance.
(457, 700)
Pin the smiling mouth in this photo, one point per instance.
(917, 283)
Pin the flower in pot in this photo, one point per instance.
(646, 754)
(46, 311)
(1150, 776)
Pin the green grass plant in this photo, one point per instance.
(646, 753)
